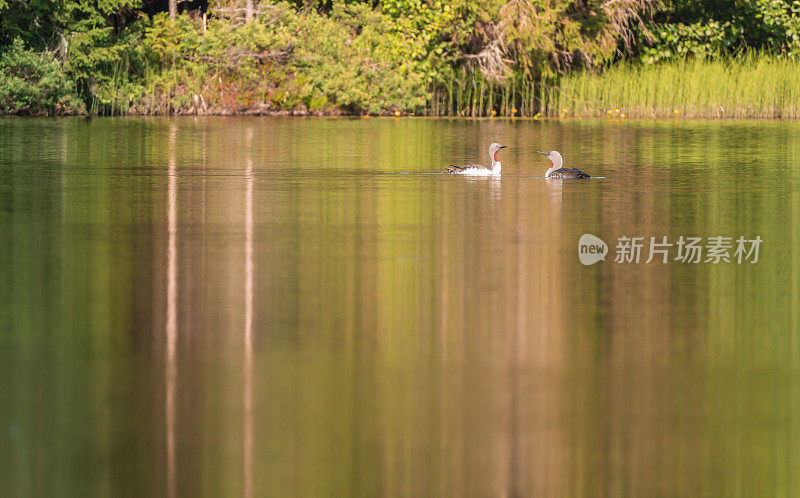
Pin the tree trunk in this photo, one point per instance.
(249, 11)
(173, 9)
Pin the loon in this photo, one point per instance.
(479, 169)
(556, 172)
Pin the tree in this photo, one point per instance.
(249, 10)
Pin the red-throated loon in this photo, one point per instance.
(480, 169)
(556, 172)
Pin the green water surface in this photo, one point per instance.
(299, 307)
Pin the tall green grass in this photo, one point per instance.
(748, 86)
(467, 93)
(757, 86)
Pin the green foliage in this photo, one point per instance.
(463, 57)
(357, 59)
(708, 27)
(548, 38)
(354, 57)
(690, 40)
(41, 24)
(36, 22)
(35, 83)
(772, 24)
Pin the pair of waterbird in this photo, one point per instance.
(556, 171)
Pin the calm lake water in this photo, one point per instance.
(299, 307)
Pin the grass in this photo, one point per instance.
(467, 93)
(750, 86)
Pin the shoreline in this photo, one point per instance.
(346, 115)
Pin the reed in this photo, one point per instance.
(757, 86)
(467, 93)
(754, 85)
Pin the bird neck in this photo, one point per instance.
(495, 162)
(554, 165)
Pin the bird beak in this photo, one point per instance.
(542, 153)
(503, 146)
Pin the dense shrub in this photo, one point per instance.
(362, 56)
(468, 57)
(670, 41)
(355, 58)
(719, 27)
(35, 83)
